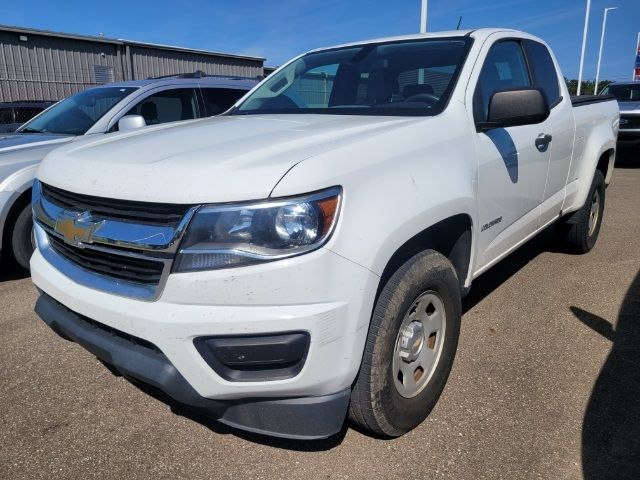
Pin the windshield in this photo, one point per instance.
(624, 92)
(77, 114)
(392, 78)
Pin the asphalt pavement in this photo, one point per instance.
(546, 384)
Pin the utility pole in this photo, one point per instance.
(604, 25)
(423, 17)
(584, 44)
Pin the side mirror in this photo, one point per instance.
(131, 122)
(513, 107)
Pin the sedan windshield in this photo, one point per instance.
(412, 77)
(77, 114)
(629, 92)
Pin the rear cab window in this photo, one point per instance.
(543, 71)
(629, 92)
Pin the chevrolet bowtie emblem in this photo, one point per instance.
(77, 227)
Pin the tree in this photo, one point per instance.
(587, 86)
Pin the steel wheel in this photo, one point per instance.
(594, 212)
(419, 344)
(408, 355)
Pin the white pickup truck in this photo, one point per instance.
(305, 254)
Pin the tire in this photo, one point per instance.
(580, 231)
(381, 403)
(22, 238)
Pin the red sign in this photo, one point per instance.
(636, 71)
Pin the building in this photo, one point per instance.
(268, 70)
(44, 65)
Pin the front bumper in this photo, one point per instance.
(320, 293)
(299, 418)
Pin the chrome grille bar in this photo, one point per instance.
(102, 248)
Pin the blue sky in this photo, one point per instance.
(281, 29)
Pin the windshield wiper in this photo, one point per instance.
(31, 130)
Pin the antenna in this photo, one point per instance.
(459, 22)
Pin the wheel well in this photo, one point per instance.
(605, 164)
(451, 237)
(23, 200)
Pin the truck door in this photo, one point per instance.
(545, 76)
(512, 161)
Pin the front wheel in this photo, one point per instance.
(22, 242)
(410, 347)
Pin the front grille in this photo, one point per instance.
(629, 121)
(164, 214)
(137, 270)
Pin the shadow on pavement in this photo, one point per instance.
(545, 241)
(611, 428)
(628, 158)
(508, 267)
(9, 271)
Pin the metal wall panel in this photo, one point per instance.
(49, 67)
(154, 62)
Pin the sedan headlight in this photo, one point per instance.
(222, 236)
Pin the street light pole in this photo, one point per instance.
(604, 25)
(423, 17)
(584, 44)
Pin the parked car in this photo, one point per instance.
(306, 253)
(14, 114)
(97, 111)
(628, 96)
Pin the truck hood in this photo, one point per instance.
(220, 159)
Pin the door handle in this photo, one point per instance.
(542, 141)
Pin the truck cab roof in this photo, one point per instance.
(479, 33)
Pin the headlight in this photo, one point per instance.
(240, 234)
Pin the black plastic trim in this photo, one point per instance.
(125, 210)
(556, 103)
(255, 358)
(579, 101)
(506, 104)
(303, 418)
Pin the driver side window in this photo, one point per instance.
(504, 68)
